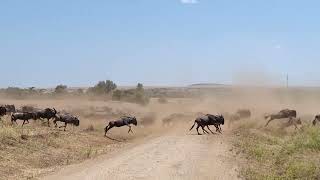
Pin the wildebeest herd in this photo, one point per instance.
(27, 113)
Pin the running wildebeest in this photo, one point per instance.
(3, 111)
(25, 116)
(285, 113)
(67, 119)
(316, 118)
(123, 121)
(207, 120)
(10, 108)
(293, 121)
(47, 113)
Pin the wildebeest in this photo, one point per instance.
(285, 113)
(67, 119)
(316, 118)
(293, 121)
(10, 108)
(47, 113)
(206, 121)
(25, 116)
(123, 121)
(3, 111)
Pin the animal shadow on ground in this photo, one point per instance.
(117, 140)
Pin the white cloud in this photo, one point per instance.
(189, 1)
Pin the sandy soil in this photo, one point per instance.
(174, 155)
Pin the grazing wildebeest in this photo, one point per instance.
(47, 113)
(207, 120)
(3, 111)
(67, 119)
(123, 121)
(316, 118)
(10, 108)
(285, 113)
(25, 116)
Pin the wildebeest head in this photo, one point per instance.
(134, 121)
(54, 111)
(221, 119)
(76, 121)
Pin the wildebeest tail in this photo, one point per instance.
(193, 125)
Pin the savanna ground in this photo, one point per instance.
(245, 150)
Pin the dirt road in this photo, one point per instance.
(173, 156)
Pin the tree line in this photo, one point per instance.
(102, 90)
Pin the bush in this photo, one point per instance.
(61, 89)
(103, 87)
(137, 95)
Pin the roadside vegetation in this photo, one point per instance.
(275, 154)
(29, 151)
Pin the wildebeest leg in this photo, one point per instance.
(218, 128)
(55, 124)
(290, 120)
(269, 122)
(23, 122)
(210, 129)
(65, 126)
(198, 129)
(130, 130)
(204, 131)
(48, 122)
(106, 130)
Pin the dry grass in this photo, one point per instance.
(275, 154)
(35, 149)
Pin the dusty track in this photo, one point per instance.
(170, 156)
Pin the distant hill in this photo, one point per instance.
(206, 85)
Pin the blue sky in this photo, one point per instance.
(159, 42)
